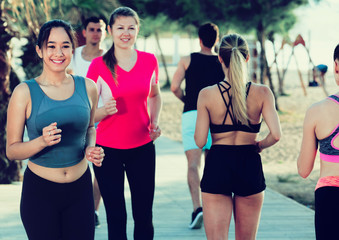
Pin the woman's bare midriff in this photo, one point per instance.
(328, 169)
(234, 138)
(60, 175)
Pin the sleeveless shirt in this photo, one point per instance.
(72, 116)
(328, 152)
(203, 71)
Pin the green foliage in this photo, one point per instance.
(31, 63)
(76, 11)
(9, 171)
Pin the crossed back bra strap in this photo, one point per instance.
(229, 106)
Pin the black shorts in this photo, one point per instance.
(233, 169)
(326, 212)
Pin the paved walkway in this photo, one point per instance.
(282, 218)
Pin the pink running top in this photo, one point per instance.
(329, 152)
(129, 127)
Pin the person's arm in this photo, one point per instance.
(309, 145)
(178, 77)
(93, 153)
(155, 103)
(18, 106)
(271, 118)
(109, 108)
(203, 120)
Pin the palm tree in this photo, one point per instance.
(9, 170)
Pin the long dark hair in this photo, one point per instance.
(109, 56)
(46, 28)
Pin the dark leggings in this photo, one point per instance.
(52, 211)
(139, 165)
(326, 213)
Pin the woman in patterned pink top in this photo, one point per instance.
(321, 130)
(127, 80)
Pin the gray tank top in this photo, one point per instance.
(72, 116)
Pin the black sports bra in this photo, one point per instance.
(236, 126)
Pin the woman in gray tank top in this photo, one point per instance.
(57, 109)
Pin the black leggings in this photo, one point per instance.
(326, 213)
(139, 165)
(52, 211)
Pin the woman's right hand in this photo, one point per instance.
(110, 106)
(51, 134)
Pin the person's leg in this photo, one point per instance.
(247, 212)
(217, 215)
(193, 175)
(326, 212)
(111, 176)
(96, 194)
(322, 78)
(39, 214)
(78, 209)
(140, 171)
(97, 198)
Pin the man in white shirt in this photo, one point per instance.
(94, 32)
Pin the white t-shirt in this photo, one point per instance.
(78, 64)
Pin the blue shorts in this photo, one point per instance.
(322, 68)
(188, 121)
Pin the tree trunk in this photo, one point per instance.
(269, 76)
(167, 83)
(261, 39)
(280, 79)
(264, 69)
(9, 170)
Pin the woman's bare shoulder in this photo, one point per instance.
(21, 89)
(209, 91)
(260, 88)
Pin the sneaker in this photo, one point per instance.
(97, 222)
(196, 219)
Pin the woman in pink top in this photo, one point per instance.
(321, 127)
(127, 80)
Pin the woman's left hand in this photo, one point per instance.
(95, 155)
(155, 131)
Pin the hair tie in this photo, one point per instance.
(234, 48)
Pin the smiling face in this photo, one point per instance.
(57, 52)
(124, 32)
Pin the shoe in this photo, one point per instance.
(96, 220)
(196, 219)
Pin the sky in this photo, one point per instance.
(318, 24)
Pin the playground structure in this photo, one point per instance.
(282, 73)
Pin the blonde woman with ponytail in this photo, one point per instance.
(233, 179)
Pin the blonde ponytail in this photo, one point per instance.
(234, 51)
